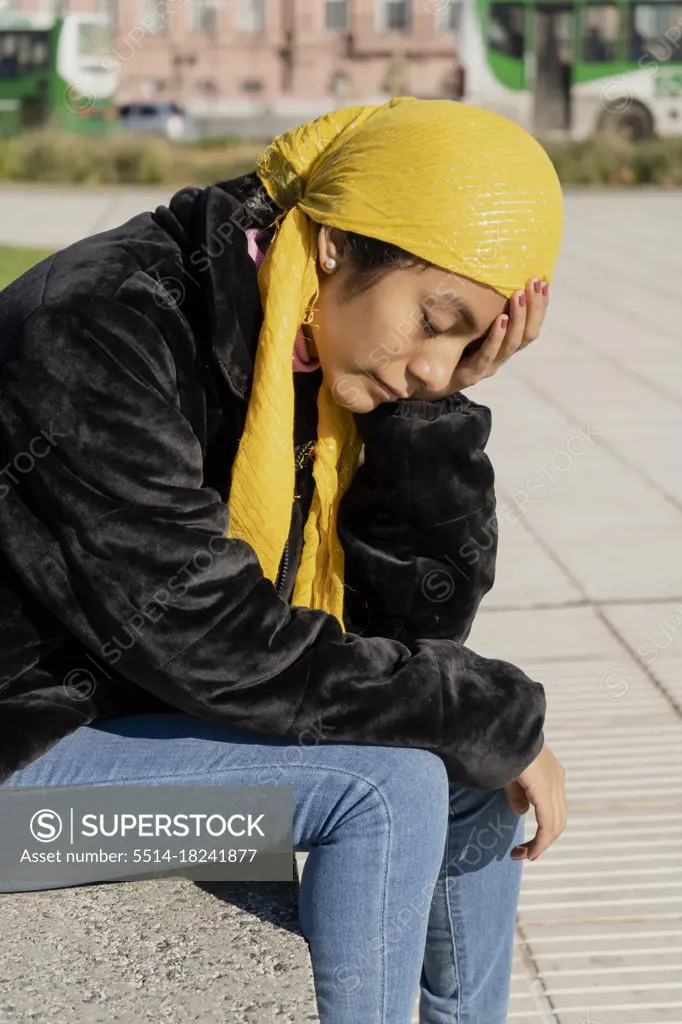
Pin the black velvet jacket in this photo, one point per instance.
(126, 366)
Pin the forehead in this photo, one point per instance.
(449, 291)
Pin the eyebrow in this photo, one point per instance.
(452, 301)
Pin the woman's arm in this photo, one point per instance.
(418, 522)
(114, 532)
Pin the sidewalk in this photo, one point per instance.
(52, 216)
(587, 429)
(586, 437)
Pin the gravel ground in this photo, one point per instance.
(166, 951)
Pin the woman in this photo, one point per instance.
(220, 571)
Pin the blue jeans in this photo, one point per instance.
(408, 881)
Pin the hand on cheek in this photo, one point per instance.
(510, 332)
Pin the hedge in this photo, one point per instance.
(144, 160)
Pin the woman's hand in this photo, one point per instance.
(509, 333)
(542, 785)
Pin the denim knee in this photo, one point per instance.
(415, 785)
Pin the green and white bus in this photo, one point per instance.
(53, 72)
(576, 68)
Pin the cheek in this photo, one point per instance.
(388, 337)
(335, 334)
(376, 357)
(365, 332)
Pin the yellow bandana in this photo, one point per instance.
(456, 185)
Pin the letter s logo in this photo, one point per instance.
(45, 825)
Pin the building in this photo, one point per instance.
(231, 57)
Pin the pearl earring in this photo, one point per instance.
(330, 263)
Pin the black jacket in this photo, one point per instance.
(126, 370)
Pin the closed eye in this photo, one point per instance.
(428, 327)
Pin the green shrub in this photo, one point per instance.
(218, 170)
(613, 161)
(659, 162)
(52, 157)
(215, 142)
(134, 160)
(122, 158)
(131, 159)
(592, 162)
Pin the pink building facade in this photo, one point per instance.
(217, 56)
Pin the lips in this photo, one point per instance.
(387, 387)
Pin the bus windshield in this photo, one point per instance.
(94, 41)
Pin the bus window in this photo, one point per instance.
(8, 56)
(599, 32)
(40, 52)
(506, 29)
(655, 31)
(22, 53)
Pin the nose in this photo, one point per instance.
(432, 372)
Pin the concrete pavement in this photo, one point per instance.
(586, 443)
(52, 216)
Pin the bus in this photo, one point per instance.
(54, 72)
(576, 68)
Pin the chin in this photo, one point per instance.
(351, 392)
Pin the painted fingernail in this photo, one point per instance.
(504, 320)
(522, 299)
(537, 286)
(545, 288)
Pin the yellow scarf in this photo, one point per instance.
(459, 186)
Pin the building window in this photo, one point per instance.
(251, 16)
(506, 29)
(336, 14)
(252, 86)
(654, 32)
(153, 17)
(448, 18)
(108, 7)
(207, 86)
(396, 80)
(203, 15)
(599, 31)
(339, 84)
(392, 15)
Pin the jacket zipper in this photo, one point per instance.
(282, 575)
(232, 387)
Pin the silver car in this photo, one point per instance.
(159, 118)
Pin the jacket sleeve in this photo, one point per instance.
(114, 532)
(418, 523)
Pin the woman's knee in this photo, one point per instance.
(418, 772)
(413, 784)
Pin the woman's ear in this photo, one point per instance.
(330, 246)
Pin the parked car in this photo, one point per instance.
(159, 118)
